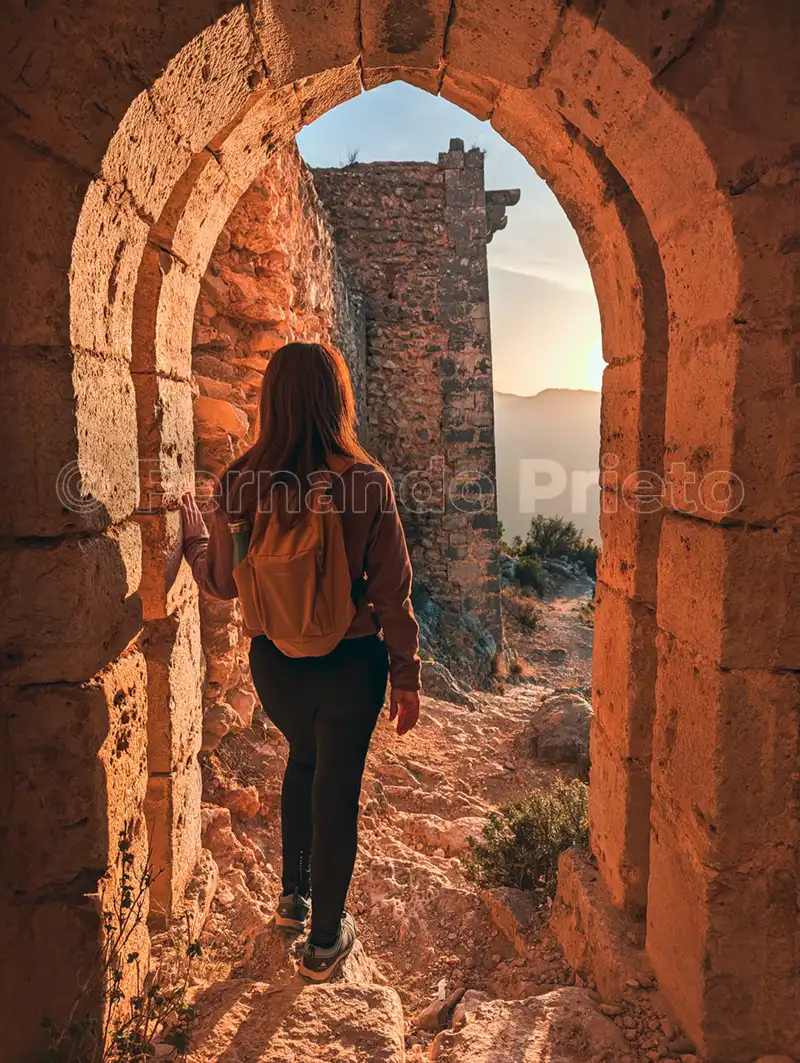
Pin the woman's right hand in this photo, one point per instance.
(404, 707)
(194, 527)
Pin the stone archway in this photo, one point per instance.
(680, 188)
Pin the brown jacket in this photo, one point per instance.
(376, 548)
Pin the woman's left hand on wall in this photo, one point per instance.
(194, 527)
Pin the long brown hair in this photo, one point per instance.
(306, 412)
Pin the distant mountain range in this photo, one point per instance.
(559, 429)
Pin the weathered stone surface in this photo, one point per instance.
(174, 673)
(166, 443)
(598, 939)
(222, 414)
(432, 832)
(475, 95)
(290, 51)
(166, 293)
(172, 807)
(61, 935)
(467, 1006)
(200, 891)
(74, 758)
(564, 1026)
(86, 608)
(439, 682)
(109, 241)
(628, 561)
(35, 310)
(71, 460)
(706, 577)
(77, 759)
(166, 578)
(624, 671)
(318, 1024)
(396, 35)
(508, 47)
(320, 92)
(619, 817)
(151, 171)
(723, 837)
(623, 698)
(513, 912)
(210, 80)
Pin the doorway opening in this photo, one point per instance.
(659, 190)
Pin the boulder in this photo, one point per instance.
(513, 912)
(559, 729)
(252, 1022)
(467, 1006)
(565, 1026)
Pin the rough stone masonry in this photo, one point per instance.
(392, 268)
(413, 236)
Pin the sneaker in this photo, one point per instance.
(292, 911)
(319, 964)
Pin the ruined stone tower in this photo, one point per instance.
(413, 237)
(668, 132)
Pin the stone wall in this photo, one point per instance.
(273, 278)
(413, 236)
(413, 240)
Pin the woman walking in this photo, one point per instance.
(306, 533)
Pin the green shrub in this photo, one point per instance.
(550, 537)
(522, 841)
(530, 573)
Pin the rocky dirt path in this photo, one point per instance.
(427, 933)
(559, 652)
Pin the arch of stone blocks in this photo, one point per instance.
(665, 131)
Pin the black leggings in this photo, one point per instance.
(326, 708)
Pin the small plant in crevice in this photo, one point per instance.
(139, 1011)
(521, 841)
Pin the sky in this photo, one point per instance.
(545, 322)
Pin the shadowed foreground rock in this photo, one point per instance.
(564, 1026)
(251, 1022)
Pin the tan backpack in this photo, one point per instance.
(294, 584)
